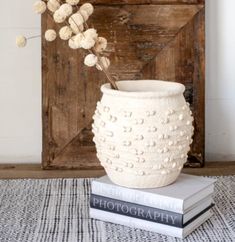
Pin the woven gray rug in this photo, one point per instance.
(57, 210)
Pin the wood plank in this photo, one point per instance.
(143, 2)
(34, 171)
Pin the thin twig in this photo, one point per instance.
(92, 51)
(34, 37)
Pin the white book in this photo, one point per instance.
(150, 226)
(178, 197)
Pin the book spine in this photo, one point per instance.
(136, 211)
(138, 197)
(136, 223)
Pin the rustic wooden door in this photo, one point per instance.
(157, 39)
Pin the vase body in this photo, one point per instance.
(143, 132)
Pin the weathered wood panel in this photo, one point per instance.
(183, 57)
(134, 2)
(164, 39)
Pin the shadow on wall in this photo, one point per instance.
(220, 80)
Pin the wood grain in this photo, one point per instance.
(143, 2)
(147, 39)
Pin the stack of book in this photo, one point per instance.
(175, 210)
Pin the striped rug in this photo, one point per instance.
(57, 210)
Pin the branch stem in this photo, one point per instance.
(93, 51)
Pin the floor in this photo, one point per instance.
(18, 171)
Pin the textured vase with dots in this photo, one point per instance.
(143, 132)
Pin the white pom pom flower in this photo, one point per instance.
(91, 33)
(53, 5)
(77, 29)
(65, 33)
(50, 35)
(66, 9)
(72, 43)
(101, 44)
(78, 39)
(88, 8)
(87, 43)
(59, 17)
(72, 2)
(76, 21)
(90, 60)
(39, 7)
(21, 41)
(105, 62)
(84, 15)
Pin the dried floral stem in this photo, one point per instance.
(92, 51)
(34, 37)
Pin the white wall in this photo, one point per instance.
(20, 82)
(220, 80)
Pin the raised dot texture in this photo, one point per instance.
(163, 172)
(141, 173)
(127, 114)
(109, 133)
(111, 147)
(117, 156)
(106, 109)
(170, 143)
(188, 122)
(102, 123)
(165, 149)
(126, 143)
(97, 112)
(138, 121)
(139, 137)
(138, 152)
(109, 161)
(152, 129)
(150, 144)
(150, 113)
(140, 160)
(127, 129)
(182, 133)
(158, 166)
(165, 121)
(167, 159)
(170, 112)
(180, 168)
(160, 136)
(160, 151)
(180, 147)
(102, 139)
(181, 116)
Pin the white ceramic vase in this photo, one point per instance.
(143, 132)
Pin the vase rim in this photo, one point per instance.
(144, 89)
